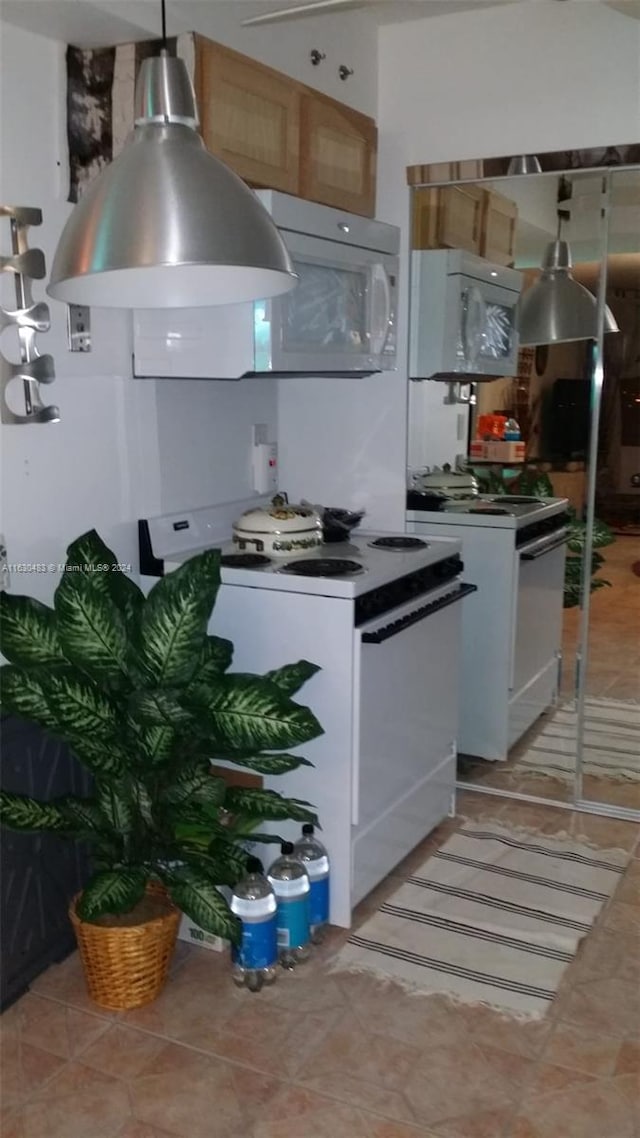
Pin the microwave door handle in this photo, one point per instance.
(379, 337)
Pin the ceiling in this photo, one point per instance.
(94, 23)
(389, 11)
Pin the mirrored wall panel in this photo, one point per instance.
(505, 368)
(610, 735)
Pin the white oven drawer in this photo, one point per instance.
(392, 836)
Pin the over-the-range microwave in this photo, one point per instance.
(340, 319)
(463, 316)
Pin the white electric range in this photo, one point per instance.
(384, 627)
(514, 549)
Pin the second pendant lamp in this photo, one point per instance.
(557, 308)
(166, 224)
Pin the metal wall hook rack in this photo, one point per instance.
(28, 317)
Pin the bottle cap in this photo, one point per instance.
(308, 828)
(254, 865)
(286, 848)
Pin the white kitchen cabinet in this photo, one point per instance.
(193, 343)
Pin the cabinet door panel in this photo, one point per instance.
(500, 218)
(424, 232)
(460, 217)
(338, 156)
(250, 117)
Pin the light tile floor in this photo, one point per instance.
(613, 672)
(322, 1055)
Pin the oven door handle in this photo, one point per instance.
(543, 545)
(397, 626)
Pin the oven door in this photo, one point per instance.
(407, 686)
(536, 629)
(340, 317)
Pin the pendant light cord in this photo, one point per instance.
(163, 8)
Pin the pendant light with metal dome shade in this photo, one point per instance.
(166, 224)
(557, 308)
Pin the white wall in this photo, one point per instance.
(517, 79)
(58, 479)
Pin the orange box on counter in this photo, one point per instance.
(502, 451)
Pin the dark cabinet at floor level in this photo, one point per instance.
(40, 872)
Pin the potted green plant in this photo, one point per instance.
(143, 697)
(576, 547)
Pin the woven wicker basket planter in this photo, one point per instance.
(126, 966)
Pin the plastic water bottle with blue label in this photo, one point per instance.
(315, 859)
(290, 883)
(253, 901)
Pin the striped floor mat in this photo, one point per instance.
(492, 917)
(611, 747)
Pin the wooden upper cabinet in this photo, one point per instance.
(447, 217)
(498, 242)
(459, 224)
(465, 217)
(250, 116)
(338, 148)
(278, 134)
(424, 226)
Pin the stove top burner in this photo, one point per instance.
(323, 567)
(244, 560)
(399, 542)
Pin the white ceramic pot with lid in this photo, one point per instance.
(446, 482)
(279, 529)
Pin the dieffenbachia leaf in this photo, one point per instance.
(156, 745)
(112, 891)
(226, 864)
(246, 713)
(217, 655)
(18, 812)
(88, 554)
(197, 784)
(83, 815)
(28, 632)
(79, 706)
(291, 677)
(23, 691)
(159, 708)
(269, 764)
(258, 803)
(194, 891)
(117, 803)
(102, 759)
(170, 637)
(91, 629)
